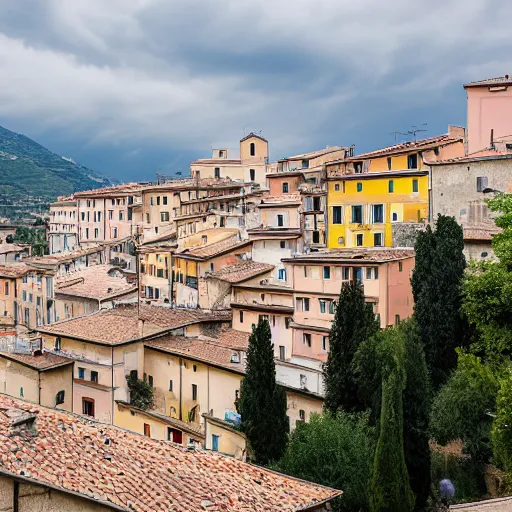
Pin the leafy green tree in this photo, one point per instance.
(368, 363)
(487, 291)
(36, 237)
(141, 393)
(354, 323)
(390, 490)
(336, 451)
(502, 428)
(262, 402)
(461, 408)
(436, 285)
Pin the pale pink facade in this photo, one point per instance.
(489, 114)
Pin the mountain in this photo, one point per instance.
(30, 173)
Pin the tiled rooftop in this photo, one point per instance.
(122, 324)
(136, 473)
(14, 270)
(500, 80)
(117, 189)
(480, 233)
(205, 252)
(241, 271)
(52, 259)
(364, 254)
(315, 154)
(6, 248)
(45, 361)
(231, 338)
(204, 350)
(94, 282)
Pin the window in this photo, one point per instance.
(194, 367)
(6, 288)
(359, 186)
(357, 214)
(397, 319)
(327, 272)
(121, 214)
(94, 376)
(358, 273)
(305, 164)
(377, 213)
(174, 435)
(316, 237)
(280, 220)
(372, 273)
(481, 183)
(324, 342)
(391, 186)
(302, 415)
(282, 352)
(303, 303)
(281, 274)
(164, 216)
(412, 161)
(345, 273)
(96, 232)
(115, 233)
(285, 188)
(394, 216)
(389, 163)
(21, 392)
(306, 339)
(59, 397)
(287, 321)
(164, 200)
(337, 187)
(358, 167)
(58, 344)
(88, 407)
(81, 373)
(282, 244)
(400, 266)
(337, 215)
(147, 430)
(359, 240)
(215, 443)
(217, 172)
(194, 391)
(341, 240)
(241, 315)
(150, 380)
(377, 239)
(170, 386)
(252, 149)
(322, 305)
(415, 186)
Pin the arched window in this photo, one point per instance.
(253, 149)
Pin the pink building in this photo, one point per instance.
(317, 280)
(489, 114)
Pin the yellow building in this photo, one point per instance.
(370, 193)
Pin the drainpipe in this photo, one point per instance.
(16, 497)
(181, 380)
(39, 391)
(112, 385)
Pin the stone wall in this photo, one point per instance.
(404, 233)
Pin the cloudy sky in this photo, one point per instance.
(130, 87)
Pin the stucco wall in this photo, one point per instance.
(53, 381)
(35, 498)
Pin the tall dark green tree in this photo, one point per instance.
(368, 363)
(390, 490)
(262, 402)
(436, 286)
(354, 323)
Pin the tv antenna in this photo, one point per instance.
(415, 129)
(396, 133)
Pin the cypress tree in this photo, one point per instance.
(389, 487)
(262, 402)
(354, 323)
(436, 286)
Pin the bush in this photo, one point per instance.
(335, 451)
(141, 393)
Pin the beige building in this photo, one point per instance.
(11, 253)
(91, 289)
(63, 225)
(108, 345)
(38, 377)
(47, 455)
(247, 164)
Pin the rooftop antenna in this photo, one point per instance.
(395, 133)
(416, 130)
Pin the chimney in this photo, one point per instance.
(141, 328)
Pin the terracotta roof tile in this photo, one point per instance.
(121, 324)
(136, 473)
(45, 361)
(53, 259)
(96, 282)
(231, 338)
(364, 254)
(209, 251)
(6, 248)
(241, 271)
(500, 80)
(14, 270)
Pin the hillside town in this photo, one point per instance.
(162, 286)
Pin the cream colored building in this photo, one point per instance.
(63, 225)
(247, 164)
